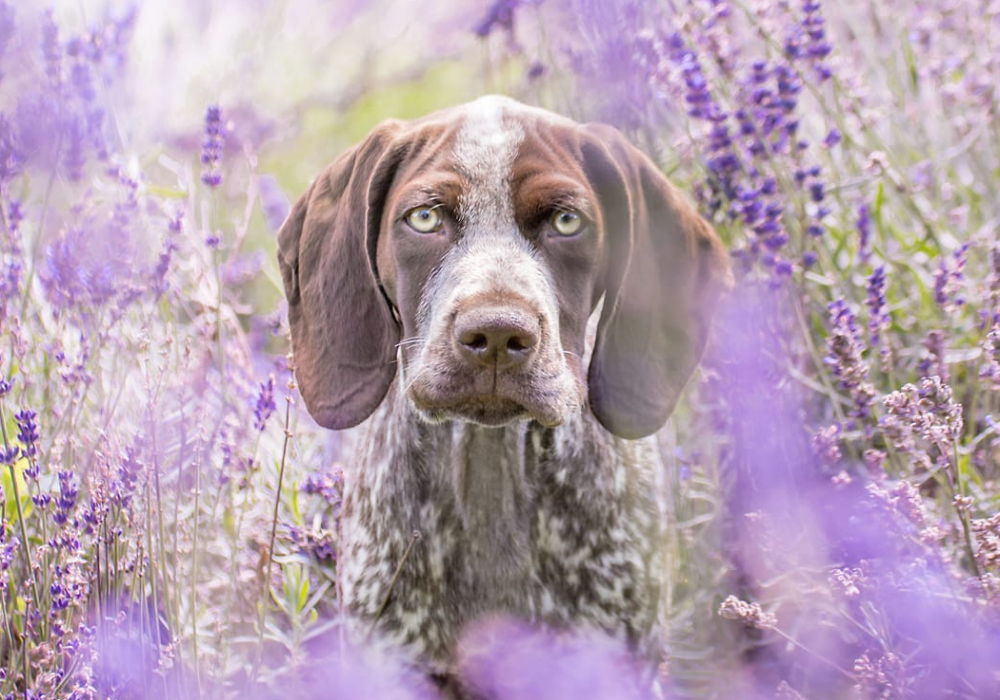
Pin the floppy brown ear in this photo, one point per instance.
(344, 334)
(667, 269)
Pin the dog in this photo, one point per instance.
(441, 277)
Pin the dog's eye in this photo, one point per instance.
(424, 219)
(567, 223)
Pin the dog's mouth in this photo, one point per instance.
(444, 389)
(489, 409)
(492, 411)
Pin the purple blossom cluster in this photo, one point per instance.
(119, 407)
(844, 358)
(749, 132)
(923, 421)
(878, 314)
(948, 278)
(211, 147)
(264, 404)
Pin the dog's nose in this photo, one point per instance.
(501, 337)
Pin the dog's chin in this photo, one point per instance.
(491, 411)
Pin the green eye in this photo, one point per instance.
(424, 219)
(567, 223)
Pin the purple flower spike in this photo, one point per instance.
(68, 492)
(844, 350)
(264, 405)
(878, 316)
(948, 278)
(864, 226)
(9, 455)
(51, 50)
(211, 148)
(27, 432)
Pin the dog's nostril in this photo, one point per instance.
(475, 341)
(518, 344)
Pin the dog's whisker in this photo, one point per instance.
(410, 342)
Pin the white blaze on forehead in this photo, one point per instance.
(485, 149)
(492, 254)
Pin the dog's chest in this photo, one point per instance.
(453, 523)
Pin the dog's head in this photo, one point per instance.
(478, 241)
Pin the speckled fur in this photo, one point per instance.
(581, 546)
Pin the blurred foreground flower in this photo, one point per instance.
(504, 659)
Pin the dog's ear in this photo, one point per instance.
(666, 271)
(344, 334)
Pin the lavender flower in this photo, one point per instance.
(264, 404)
(508, 660)
(130, 468)
(499, 15)
(75, 275)
(882, 677)
(844, 350)
(878, 316)
(211, 147)
(987, 535)
(750, 614)
(948, 278)
(826, 444)
(848, 582)
(69, 491)
(8, 550)
(27, 432)
(81, 77)
(926, 412)
(52, 51)
(318, 544)
(864, 227)
(329, 486)
(990, 369)
(808, 40)
(933, 363)
(9, 454)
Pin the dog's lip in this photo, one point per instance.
(490, 411)
(485, 409)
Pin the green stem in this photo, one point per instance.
(274, 527)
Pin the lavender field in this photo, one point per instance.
(169, 523)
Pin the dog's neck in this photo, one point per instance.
(491, 475)
(492, 508)
(486, 474)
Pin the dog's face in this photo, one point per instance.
(491, 249)
(479, 240)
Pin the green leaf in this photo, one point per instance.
(10, 503)
(166, 192)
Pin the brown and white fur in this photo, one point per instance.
(502, 473)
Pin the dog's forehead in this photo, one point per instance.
(492, 134)
(479, 138)
(484, 151)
